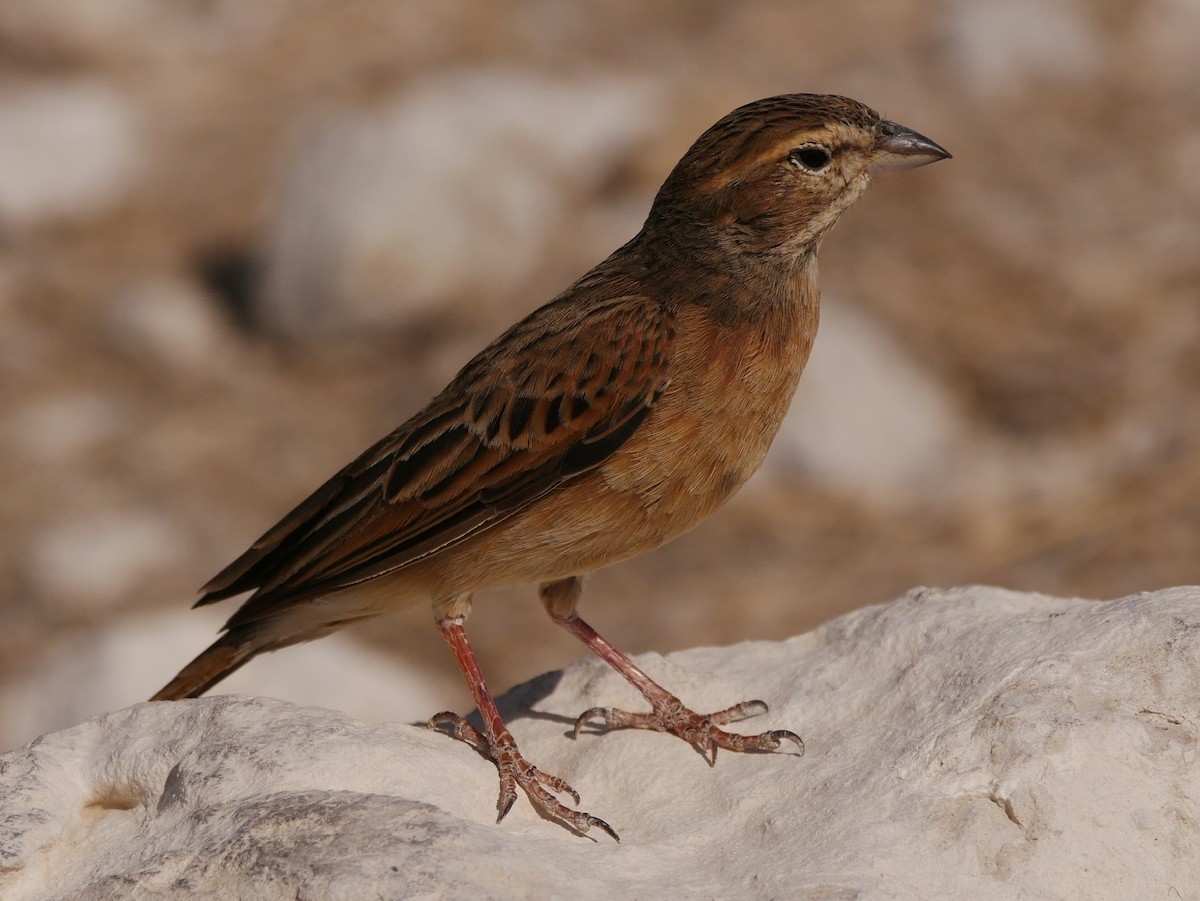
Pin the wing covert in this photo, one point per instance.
(551, 398)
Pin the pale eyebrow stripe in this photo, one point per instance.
(720, 179)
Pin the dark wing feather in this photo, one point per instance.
(551, 398)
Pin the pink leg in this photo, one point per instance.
(668, 713)
(498, 745)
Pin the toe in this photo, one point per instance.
(742, 711)
(557, 785)
(586, 717)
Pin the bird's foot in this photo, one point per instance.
(702, 731)
(516, 771)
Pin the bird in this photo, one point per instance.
(608, 421)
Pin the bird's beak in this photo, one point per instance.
(899, 148)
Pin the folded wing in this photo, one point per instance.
(551, 398)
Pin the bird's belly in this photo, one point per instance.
(711, 430)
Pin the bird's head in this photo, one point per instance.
(774, 175)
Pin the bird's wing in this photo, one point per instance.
(551, 398)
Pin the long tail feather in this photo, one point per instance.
(226, 654)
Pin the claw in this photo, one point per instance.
(781, 735)
(516, 771)
(600, 824)
(505, 804)
(587, 715)
(699, 730)
(498, 746)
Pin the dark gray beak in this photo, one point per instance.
(899, 148)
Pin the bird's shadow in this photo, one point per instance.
(521, 703)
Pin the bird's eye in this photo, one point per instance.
(810, 157)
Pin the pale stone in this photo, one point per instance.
(98, 558)
(172, 320)
(967, 743)
(450, 190)
(68, 149)
(66, 425)
(868, 419)
(1003, 46)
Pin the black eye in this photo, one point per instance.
(812, 157)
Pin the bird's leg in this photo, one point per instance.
(668, 713)
(497, 744)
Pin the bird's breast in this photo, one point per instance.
(730, 387)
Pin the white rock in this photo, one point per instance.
(98, 558)
(1002, 46)
(65, 425)
(67, 149)
(868, 420)
(170, 319)
(451, 190)
(87, 674)
(972, 743)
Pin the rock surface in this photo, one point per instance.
(67, 150)
(391, 213)
(962, 743)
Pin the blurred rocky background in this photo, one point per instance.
(240, 241)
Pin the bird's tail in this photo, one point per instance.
(229, 652)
